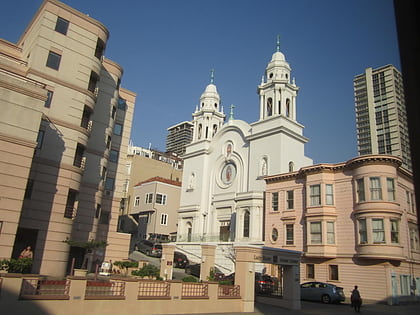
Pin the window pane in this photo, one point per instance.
(391, 189)
(246, 224)
(118, 129)
(289, 234)
(113, 155)
(315, 195)
(316, 235)
(290, 199)
(378, 230)
(275, 201)
(330, 232)
(47, 103)
(274, 234)
(375, 188)
(333, 272)
(310, 271)
(53, 60)
(329, 195)
(361, 190)
(62, 25)
(362, 231)
(395, 238)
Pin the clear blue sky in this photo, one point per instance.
(167, 49)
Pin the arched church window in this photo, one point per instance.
(200, 127)
(215, 105)
(207, 132)
(271, 75)
(246, 223)
(189, 231)
(291, 166)
(288, 107)
(214, 130)
(202, 104)
(287, 76)
(269, 106)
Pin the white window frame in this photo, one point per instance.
(136, 201)
(164, 219)
(290, 199)
(161, 199)
(330, 232)
(315, 196)
(390, 184)
(290, 238)
(313, 233)
(329, 194)
(148, 199)
(275, 201)
(375, 188)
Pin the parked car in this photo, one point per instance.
(195, 270)
(149, 248)
(264, 284)
(320, 291)
(180, 260)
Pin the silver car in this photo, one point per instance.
(323, 292)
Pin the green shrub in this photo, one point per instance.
(21, 265)
(147, 271)
(189, 279)
(126, 264)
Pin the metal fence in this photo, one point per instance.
(229, 292)
(195, 290)
(98, 290)
(45, 289)
(154, 290)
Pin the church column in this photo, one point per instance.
(262, 106)
(275, 102)
(293, 109)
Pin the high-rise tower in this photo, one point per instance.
(381, 117)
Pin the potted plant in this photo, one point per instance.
(90, 247)
(127, 266)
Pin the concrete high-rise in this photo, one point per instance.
(178, 137)
(64, 132)
(380, 113)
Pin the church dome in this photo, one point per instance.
(210, 91)
(278, 56)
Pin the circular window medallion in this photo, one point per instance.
(228, 173)
(274, 234)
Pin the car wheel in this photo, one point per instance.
(326, 299)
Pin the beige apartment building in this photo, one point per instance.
(64, 132)
(355, 223)
(143, 164)
(155, 205)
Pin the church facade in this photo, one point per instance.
(222, 197)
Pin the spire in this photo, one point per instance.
(278, 43)
(231, 112)
(212, 76)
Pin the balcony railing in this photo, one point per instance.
(205, 238)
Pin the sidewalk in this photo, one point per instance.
(313, 308)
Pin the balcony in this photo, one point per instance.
(380, 251)
(323, 251)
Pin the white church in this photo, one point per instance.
(222, 198)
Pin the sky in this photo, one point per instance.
(167, 49)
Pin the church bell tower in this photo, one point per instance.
(277, 94)
(208, 117)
